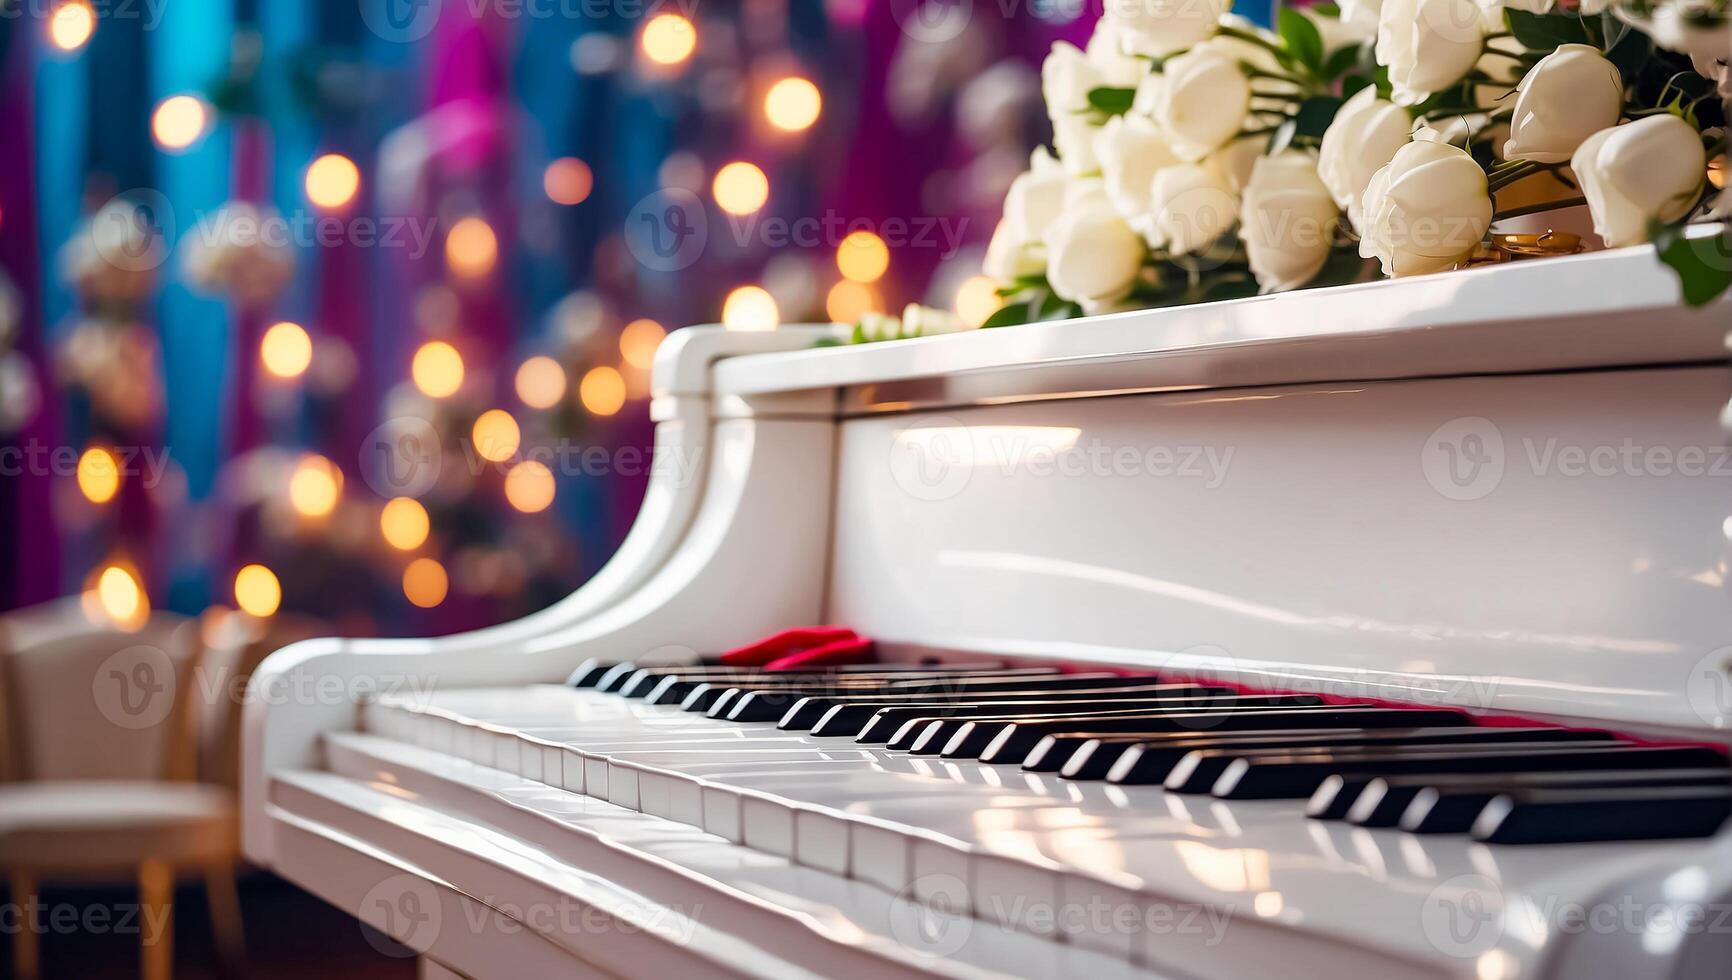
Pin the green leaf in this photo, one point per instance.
(1544, 32)
(1011, 315)
(1704, 265)
(1315, 114)
(1326, 10)
(1342, 61)
(859, 334)
(1630, 53)
(1112, 101)
(1301, 37)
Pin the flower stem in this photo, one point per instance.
(1568, 202)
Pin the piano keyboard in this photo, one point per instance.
(1003, 794)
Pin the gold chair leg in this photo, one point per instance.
(26, 949)
(225, 915)
(156, 919)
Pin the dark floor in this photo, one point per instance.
(290, 934)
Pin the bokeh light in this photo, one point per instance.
(120, 597)
(848, 300)
(638, 343)
(98, 475)
(740, 188)
(471, 249)
(602, 391)
(529, 487)
(540, 382)
(178, 122)
(425, 583)
(404, 523)
(567, 180)
(71, 25)
(793, 104)
(315, 486)
(437, 369)
(750, 308)
(257, 591)
(863, 257)
(669, 39)
(333, 180)
(286, 350)
(976, 299)
(496, 435)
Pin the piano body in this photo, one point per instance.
(1491, 497)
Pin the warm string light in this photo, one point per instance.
(71, 25)
(740, 188)
(976, 299)
(315, 486)
(567, 180)
(333, 180)
(286, 350)
(602, 391)
(529, 487)
(848, 300)
(179, 121)
(471, 249)
(638, 343)
(98, 475)
(437, 369)
(404, 523)
(425, 583)
(668, 39)
(863, 257)
(257, 591)
(540, 382)
(793, 104)
(750, 308)
(496, 435)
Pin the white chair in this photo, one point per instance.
(102, 753)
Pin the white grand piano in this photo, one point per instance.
(1393, 621)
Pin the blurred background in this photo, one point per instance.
(337, 317)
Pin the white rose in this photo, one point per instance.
(1008, 259)
(1036, 197)
(1193, 204)
(1235, 160)
(1131, 149)
(1426, 211)
(1337, 32)
(1428, 45)
(1361, 17)
(1158, 28)
(1202, 101)
(1066, 78)
(1093, 255)
(1107, 53)
(929, 321)
(1674, 28)
(1651, 168)
(1366, 133)
(1287, 221)
(1569, 96)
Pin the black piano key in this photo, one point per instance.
(588, 673)
(888, 722)
(1384, 799)
(1295, 776)
(945, 735)
(1449, 804)
(807, 713)
(1571, 816)
(768, 697)
(1091, 755)
(614, 676)
(1013, 744)
(647, 679)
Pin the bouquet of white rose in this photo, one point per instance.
(1196, 156)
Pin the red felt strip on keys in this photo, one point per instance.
(841, 653)
(785, 644)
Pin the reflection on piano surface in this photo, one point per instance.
(1257, 670)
